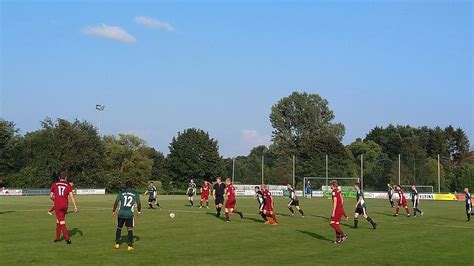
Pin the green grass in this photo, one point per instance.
(195, 236)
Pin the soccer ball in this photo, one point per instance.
(172, 215)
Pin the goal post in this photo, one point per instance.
(317, 183)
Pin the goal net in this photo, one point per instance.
(420, 189)
(314, 184)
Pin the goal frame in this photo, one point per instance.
(419, 186)
(306, 178)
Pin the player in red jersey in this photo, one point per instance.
(231, 201)
(337, 213)
(60, 191)
(402, 201)
(205, 188)
(268, 209)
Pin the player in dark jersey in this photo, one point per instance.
(390, 194)
(294, 201)
(360, 208)
(205, 188)
(59, 193)
(126, 201)
(402, 201)
(468, 199)
(191, 191)
(337, 213)
(415, 198)
(152, 193)
(261, 202)
(218, 194)
(231, 201)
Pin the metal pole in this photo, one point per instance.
(262, 168)
(233, 169)
(98, 112)
(327, 170)
(362, 171)
(439, 176)
(399, 170)
(294, 171)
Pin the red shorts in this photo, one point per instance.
(205, 196)
(402, 203)
(268, 208)
(60, 213)
(337, 216)
(230, 203)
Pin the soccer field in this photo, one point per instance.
(196, 236)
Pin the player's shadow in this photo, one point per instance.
(384, 213)
(314, 235)
(125, 237)
(222, 217)
(327, 219)
(75, 231)
(5, 212)
(282, 214)
(254, 219)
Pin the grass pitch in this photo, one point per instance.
(196, 236)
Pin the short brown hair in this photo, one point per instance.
(334, 183)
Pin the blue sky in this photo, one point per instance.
(162, 67)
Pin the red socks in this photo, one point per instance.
(227, 215)
(58, 231)
(65, 232)
(274, 218)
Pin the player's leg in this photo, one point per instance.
(200, 202)
(274, 218)
(150, 203)
(118, 232)
(291, 208)
(407, 210)
(61, 217)
(235, 211)
(397, 210)
(157, 203)
(356, 219)
(367, 217)
(268, 215)
(207, 202)
(226, 211)
(58, 232)
(468, 212)
(129, 223)
(299, 209)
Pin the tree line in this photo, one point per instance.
(303, 126)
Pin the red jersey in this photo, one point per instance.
(267, 197)
(206, 188)
(61, 190)
(336, 193)
(402, 196)
(231, 191)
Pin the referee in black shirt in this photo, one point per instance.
(218, 193)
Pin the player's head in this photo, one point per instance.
(262, 186)
(334, 184)
(357, 186)
(128, 184)
(228, 181)
(192, 181)
(151, 183)
(413, 186)
(388, 185)
(397, 187)
(466, 190)
(63, 175)
(205, 181)
(289, 186)
(257, 189)
(218, 180)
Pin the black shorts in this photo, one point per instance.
(151, 199)
(361, 210)
(219, 200)
(190, 193)
(127, 221)
(294, 203)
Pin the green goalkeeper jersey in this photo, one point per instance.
(127, 199)
(152, 192)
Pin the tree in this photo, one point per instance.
(299, 118)
(10, 148)
(193, 154)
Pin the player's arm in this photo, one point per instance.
(334, 205)
(73, 198)
(115, 207)
(139, 207)
(146, 192)
(51, 196)
(358, 201)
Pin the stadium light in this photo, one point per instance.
(99, 108)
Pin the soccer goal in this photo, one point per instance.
(316, 184)
(421, 189)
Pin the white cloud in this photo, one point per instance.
(154, 23)
(109, 32)
(251, 138)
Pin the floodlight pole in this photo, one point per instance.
(362, 172)
(399, 170)
(293, 171)
(439, 176)
(327, 170)
(262, 168)
(233, 169)
(99, 109)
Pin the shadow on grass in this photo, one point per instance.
(327, 219)
(282, 214)
(213, 214)
(260, 221)
(314, 235)
(5, 212)
(125, 239)
(75, 231)
(384, 213)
